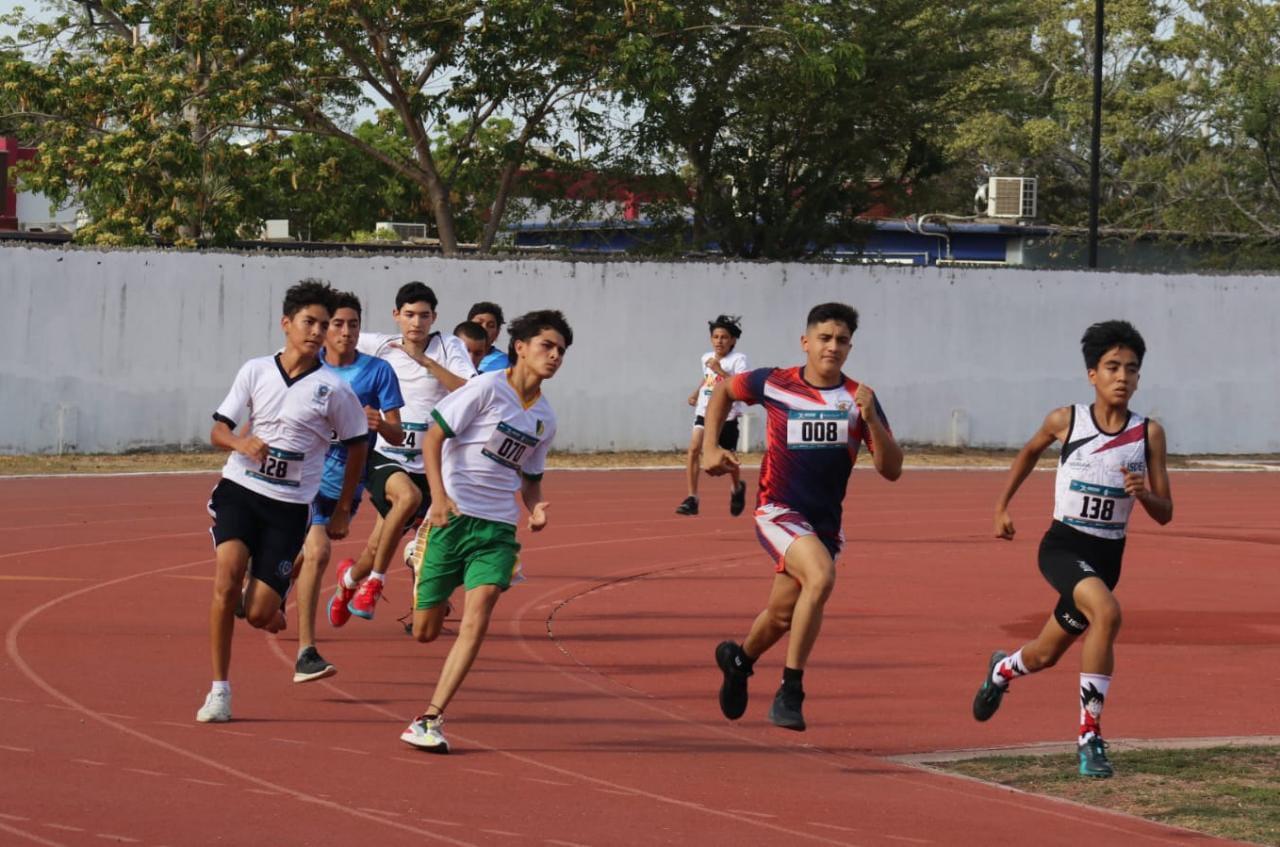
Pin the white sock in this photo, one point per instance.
(380, 577)
(1093, 694)
(221, 686)
(1008, 668)
(347, 581)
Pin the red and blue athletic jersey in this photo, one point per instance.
(812, 437)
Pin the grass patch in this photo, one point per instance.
(1231, 792)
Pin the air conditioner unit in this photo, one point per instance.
(403, 231)
(1011, 197)
(275, 229)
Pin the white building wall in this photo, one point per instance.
(107, 351)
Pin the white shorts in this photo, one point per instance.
(778, 527)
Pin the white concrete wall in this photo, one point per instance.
(106, 351)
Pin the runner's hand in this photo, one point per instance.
(253, 447)
(717, 461)
(1135, 484)
(339, 524)
(1004, 525)
(440, 511)
(374, 417)
(865, 399)
(538, 517)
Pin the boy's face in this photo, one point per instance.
(475, 348)
(490, 324)
(344, 331)
(415, 320)
(543, 354)
(827, 346)
(1115, 379)
(305, 331)
(722, 341)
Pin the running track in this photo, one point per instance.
(591, 717)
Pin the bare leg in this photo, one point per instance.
(692, 468)
(232, 560)
(310, 573)
(775, 620)
(405, 498)
(1099, 605)
(1047, 647)
(809, 563)
(475, 623)
(364, 562)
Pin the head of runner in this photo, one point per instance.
(827, 340)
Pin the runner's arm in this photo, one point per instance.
(1054, 428)
(1157, 498)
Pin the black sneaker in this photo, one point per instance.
(312, 666)
(785, 711)
(738, 499)
(989, 694)
(733, 691)
(689, 506)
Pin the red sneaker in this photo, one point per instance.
(366, 598)
(338, 611)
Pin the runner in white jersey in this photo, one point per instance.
(489, 441)
(1110, 458)
(428, 365)
(719, 364)
(260, 507)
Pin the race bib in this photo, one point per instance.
(1096, 506)
(280, 467)
(509, 446)
(411, 447)
(817, 430)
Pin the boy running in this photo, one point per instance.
(1110, 458)
(489, 316)
(376, 387)
(260, 506)
(429, 365)
(490, 441)
(816, 419)
(718, 365)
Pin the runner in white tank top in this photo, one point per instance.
(1110, 458)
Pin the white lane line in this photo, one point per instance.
(64, 827)
(144, 772)
(203, 781)
(502, 832)
(544, 781)
(16, 749)
(351, 752)
(90, 762)
(29, 836)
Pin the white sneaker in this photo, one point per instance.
(216, 708)
(426, 734)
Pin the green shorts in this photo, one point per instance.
(469, 551)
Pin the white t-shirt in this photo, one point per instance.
(493, 440)
(734, 363)
(421, 390)
(296, 419)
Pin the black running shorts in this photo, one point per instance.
(728, 432)
(272, 530)
(1068, 556)
(382, 469)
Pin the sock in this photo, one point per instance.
(1008, 668)
(1093, 694)
(347, 581)
(380, 577)
(792, 677)
(221, 686)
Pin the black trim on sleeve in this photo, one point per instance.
(226, 420)
(532, 477)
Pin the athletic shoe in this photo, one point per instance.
(1093, 758)
(312, 666)
(733, 690)
(989, 694)
(366, 598)
(426, 733)
(338, 611)
(217, 708)
(688, 506)
(785, 711)
(738, 499)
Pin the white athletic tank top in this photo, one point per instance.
(1089, 495)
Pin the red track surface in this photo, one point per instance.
(591, 716)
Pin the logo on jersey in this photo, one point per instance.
(322, 391)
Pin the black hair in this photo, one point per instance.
(731, 324)
(484, 307)
(528, 325)
(1103, 336)
(309, 292)
(347, 300)
(472, 330)
(415, 292)
(824, 312)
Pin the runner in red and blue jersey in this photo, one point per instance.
(817, 419)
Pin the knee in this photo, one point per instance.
(260, 619)
(820, 586)
(426, 634)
